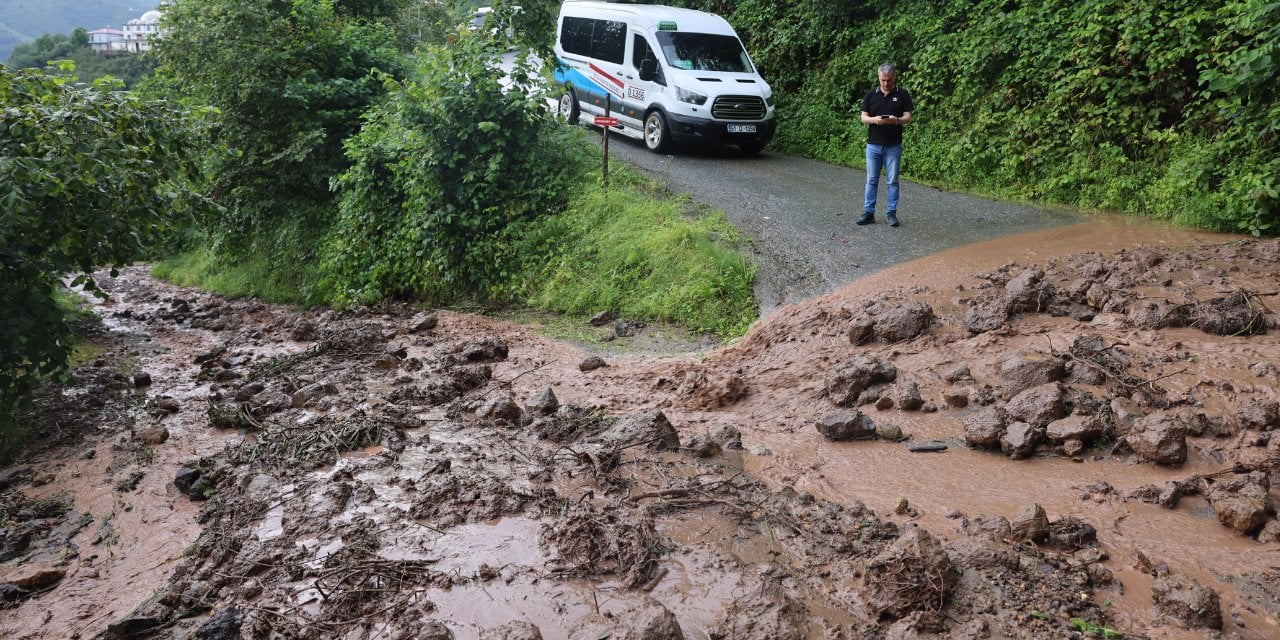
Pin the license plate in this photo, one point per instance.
(742, 128)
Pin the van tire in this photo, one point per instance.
(657, 136)
(569, 106)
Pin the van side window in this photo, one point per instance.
(601, 39)
(641, 51)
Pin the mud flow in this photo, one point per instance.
(1067, 434)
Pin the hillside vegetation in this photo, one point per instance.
(1167, 110)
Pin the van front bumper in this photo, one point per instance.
(703, 131)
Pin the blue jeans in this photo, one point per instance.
(888, 157)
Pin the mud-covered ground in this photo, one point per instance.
(1073, 446)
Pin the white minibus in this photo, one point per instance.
(669, 74)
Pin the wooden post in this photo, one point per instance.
(608, 105)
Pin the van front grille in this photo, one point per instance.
(738, 108)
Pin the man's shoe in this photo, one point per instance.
(893, 218)
(867, 217)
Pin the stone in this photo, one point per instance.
(985, 427)
(185, 478)
(1038, 405)
(956, 398)
(898, 322)
(13, 475)
(141, 379)
(433, 630)
(1030, 523)
(36, 578)
(1022, 370)
(484, 350)
(168, 405)
(901, 506)
(223, 625)
(1124, 413)
(1239, 513)
(861, 330)
(956, 374)
(1183, 598)
(500, 406)
(1270, 533)
(648, 620)
(702, 446)
(153, 435)
(308, 394)
(848, 379)
(1258, 415)
(545, 403)
(986, 526)
(1020, 439)
(423, 322)
(981, 552)
(591, 364)
(1072, 448)
(10, 593)
(727, 436)
(1027, 291)
(908, 396)
(884, 403)
(650, 428)
(603, 318)
(1074, 427)
(846, 425)
(986, 314)
(891, 432)
(1159, 438)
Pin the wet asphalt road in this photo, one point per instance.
(799, 215)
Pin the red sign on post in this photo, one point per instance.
(603, 121)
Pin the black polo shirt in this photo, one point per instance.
(875, 104)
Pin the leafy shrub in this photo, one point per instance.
(88, 176)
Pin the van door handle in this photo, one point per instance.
(631, 77)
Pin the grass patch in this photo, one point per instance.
(277, 265)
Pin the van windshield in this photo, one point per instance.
(703, 52)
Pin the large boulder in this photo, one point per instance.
(650, 428)
(847, 424)
(1030, 523)
(850, 378)
(895, 323)
(1074, 427)
(987, 314)
(1160, 438)
(985, 427)
(1183, 598)
(913, 573)
(499, 406)
(1038, 405)
(1022, 370)
(1241, 502)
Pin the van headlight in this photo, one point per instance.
(768, 99)
(692, 97)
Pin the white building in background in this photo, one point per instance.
(139, 32)
(106, 40)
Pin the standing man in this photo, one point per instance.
(885, 110)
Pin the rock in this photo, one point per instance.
(141, 379)
(984, 428)
(153, 435)
(137, 626)
(1022, 370)
(303, 330)
(36, 578)
(249, 390)
(186, 478)
(956, 398)
(484, 350)
(1020, 440)
(423, 322)
(884, 403)
(500, 406)
(1027, 291)
(895, 323)
(223, 625)
(1038, 405)
(591, 364)
(901, 506)
(1159, 438)
(908, 396)
(982, 552)
(1074, 427)
(433, 630)
(1257, 415)
(987, 314)
(850, 378)
(913, 573)
(271, 401)
(1072, 533)
(545, 403)
(846, 425)
(1270, 533)
(702, 446)
(861, 330)
(1072, 448)
(11, 593)
(1030, 523)
(995, 528)
(603, 318)
(519, 630)
(648, 620)
(1124, 412)
(168, 405)
(1239, 513)
(624, 329)
(727, 436)
(646, 427)
(1183, 598)
(13, 475)
(891, 432)
(956, 374)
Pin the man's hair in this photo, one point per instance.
(888, 68)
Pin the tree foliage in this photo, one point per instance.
(87, 178)
(1166, 109)
(449, 159)
(131, 68)
(290, 80)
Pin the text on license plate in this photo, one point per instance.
(742, 128)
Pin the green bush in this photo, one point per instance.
(88, 177)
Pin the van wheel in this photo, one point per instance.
(569, 107)
(656, 135)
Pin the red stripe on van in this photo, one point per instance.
(606, 75)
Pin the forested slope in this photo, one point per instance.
(1163, 109)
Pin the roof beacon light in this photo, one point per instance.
(667, 25)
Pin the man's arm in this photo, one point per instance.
(870, 119)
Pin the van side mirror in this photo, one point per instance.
(648, 69)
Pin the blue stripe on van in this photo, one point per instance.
(588, 90)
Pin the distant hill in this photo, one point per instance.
(26, 20)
